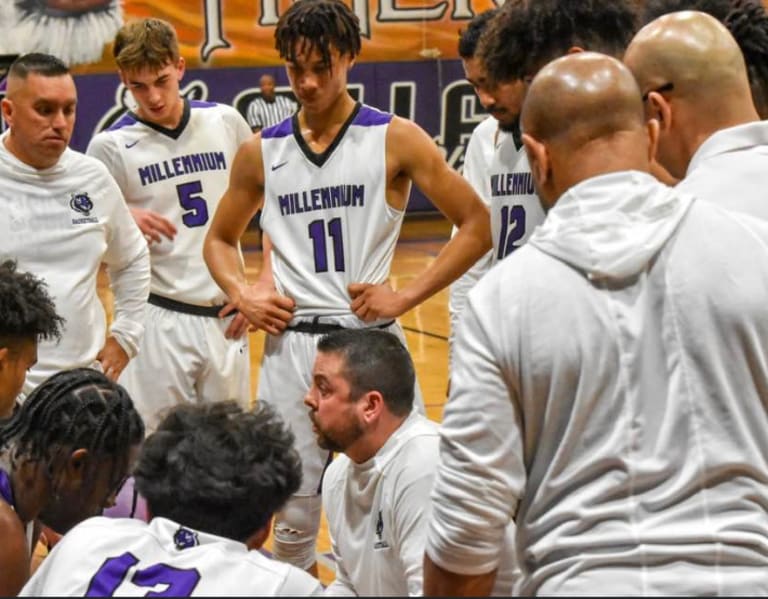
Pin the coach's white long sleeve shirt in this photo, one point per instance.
(609, 394)
(60, 223)
(730, 169)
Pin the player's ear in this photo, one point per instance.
(181, 67)
(3, 356)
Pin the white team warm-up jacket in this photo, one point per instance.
(609, 394)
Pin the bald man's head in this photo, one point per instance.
(582, 117)
(692, 74)
(690, 49)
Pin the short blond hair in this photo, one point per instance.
(146, 43)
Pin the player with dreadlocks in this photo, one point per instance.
(64, 456)
(27, 314)
(212, 474)
(334, 181)
(747, 20)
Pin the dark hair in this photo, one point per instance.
(218, 469)
(317, 24)
(375, 360)
(527, 34)
(747, 20)
(469, 37)
(26, 309)
(39, 64)
(73, 409)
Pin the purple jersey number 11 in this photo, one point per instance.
(180, 583)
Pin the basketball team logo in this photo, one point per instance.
(81, 203)
(184, 538)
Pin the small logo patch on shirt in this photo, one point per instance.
(185, 538)
(81, 203)
(381, 543)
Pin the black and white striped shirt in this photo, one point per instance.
(262, 114)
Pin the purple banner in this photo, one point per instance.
(432, 93)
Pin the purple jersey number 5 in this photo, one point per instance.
(179, 583)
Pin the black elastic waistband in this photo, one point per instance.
(173, 305)
(314, 327)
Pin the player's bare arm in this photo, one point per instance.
(259, 303)
(413, 156)
(442, 583)
(14, 553)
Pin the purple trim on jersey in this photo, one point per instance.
(6, 491)
(370, 117)
(282, 129)
(201, 104)
(124, 121)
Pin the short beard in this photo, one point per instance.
(339, 441)
(514, 129)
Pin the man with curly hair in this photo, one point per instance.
(27, 314)
(212, 476)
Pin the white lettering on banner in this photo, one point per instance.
(388, 12)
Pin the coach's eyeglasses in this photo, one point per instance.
(667, 87)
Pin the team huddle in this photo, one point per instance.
(608, 398)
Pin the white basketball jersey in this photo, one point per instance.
(180, 173)
(110, 557)
(515, 207)
(327, 214)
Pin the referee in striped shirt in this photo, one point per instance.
(269, 109)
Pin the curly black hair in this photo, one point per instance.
(218, 469)
(747, 20)
(26, 309)
(317, 24)
(527, 34)
(470, 36)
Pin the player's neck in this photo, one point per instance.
(320, 122)
(171, 121)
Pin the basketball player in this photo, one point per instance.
(609, 393)
(63, 458)
(61, 216)
(171, 158)
(694, 79)
(334, 181)
(27, 314)
(375, 495)
(521, 39)
(212, 474)
(747, 20)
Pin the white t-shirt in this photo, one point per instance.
(125, 557)
(60, 224)
(378, 512)
(609, 395)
